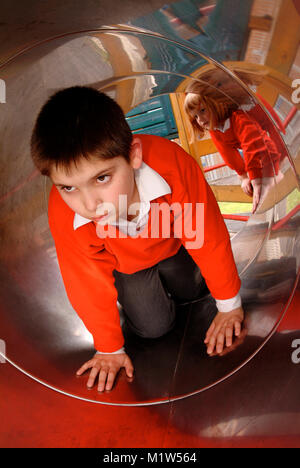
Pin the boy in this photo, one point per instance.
(109, 193)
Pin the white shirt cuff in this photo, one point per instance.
(227, 305)
(119, 351)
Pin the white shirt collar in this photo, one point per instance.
(150, 185)
(226, 124)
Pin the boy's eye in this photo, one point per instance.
(103, 178)
(68, 189)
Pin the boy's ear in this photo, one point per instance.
(136, 153)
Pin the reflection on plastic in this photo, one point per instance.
(232, 121)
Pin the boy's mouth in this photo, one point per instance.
(99, 218)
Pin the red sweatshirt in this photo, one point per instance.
(87, 261)
(260, 152)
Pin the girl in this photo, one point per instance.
(233, 127)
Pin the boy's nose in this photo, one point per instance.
(91, 201)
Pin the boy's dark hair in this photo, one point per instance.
(79, 122)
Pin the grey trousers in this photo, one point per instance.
(148, 297)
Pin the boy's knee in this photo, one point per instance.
(156, 330)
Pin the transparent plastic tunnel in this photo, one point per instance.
(43, 336)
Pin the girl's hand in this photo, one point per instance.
(252, 188)
(246, 185)
(257, 187)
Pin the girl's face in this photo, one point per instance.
(202, 116)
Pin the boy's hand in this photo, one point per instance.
(222, 329)
(107, 366)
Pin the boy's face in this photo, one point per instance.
(92, 187)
